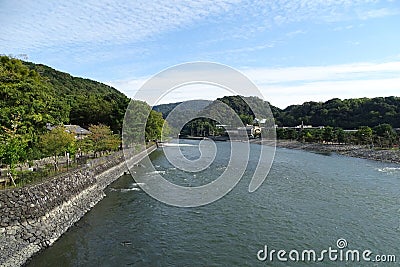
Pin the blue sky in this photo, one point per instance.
(294, 51)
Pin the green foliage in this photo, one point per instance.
(154, 126)
(347, 114)
(182, 111)
(328, 134)
(27, 99)
(89, 102)
(27, 104)
(385, 135)
(379, 113)
(142, 124)
(103, 139)
(135, 123)
(193, 107)
(12, 150)
(57, 141)
(34, 95)
(340, 135)
(364, 135)
(201, 127)
(384, 130)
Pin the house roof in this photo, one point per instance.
(76, 129)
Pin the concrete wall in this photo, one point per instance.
(35, 216)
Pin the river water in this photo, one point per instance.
(308, 202)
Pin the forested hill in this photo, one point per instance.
(88, 101)
(189, 106)
(346, 114)
(32, 96)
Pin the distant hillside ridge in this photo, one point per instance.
(90, 102)
(347, 114)
(190, 106)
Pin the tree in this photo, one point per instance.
(12, 151)
(318, 135)
(57, 141)
(103, 139)
(386, 133)
(364, 135)
(136, 116)
(12, 147)
(26, 97)
(328, 134)
(303, 135)
(340, 135)
(154, 126)
(27, 104)
(281, 134)
(292, 134)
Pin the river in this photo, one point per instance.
(308, 202)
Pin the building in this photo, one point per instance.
(77, 130)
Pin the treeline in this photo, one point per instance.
(382, 135)
(365, 116)
(233, 111)
(346, 114)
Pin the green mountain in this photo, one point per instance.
(188, 106)
(89, 102)
(34, 95)
(346, 114)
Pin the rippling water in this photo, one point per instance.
(308, 201)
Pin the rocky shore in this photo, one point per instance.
(357, 151)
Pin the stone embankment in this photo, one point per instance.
(34, 217)
(384, 155)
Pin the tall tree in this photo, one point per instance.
(154, 126)
(57, 141)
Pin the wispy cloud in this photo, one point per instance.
(342, 28)
(41, 24)
(352, 71)
(378, 13)
(295, 85)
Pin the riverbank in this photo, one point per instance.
(33, 217)
(357, 151)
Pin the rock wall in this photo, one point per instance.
(34, 217)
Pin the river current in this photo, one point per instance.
(309, 201)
